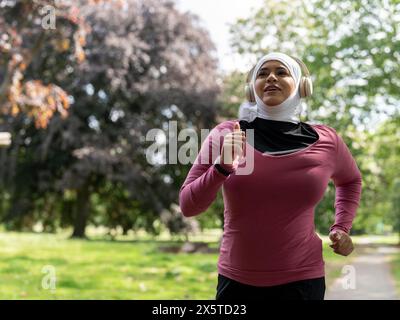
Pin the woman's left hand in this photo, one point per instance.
(341, 242)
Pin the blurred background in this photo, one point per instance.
(84, 215)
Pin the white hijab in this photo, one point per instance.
(288, 110)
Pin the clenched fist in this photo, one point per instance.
(233, 147)
(341, 242)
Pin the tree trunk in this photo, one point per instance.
(82, 210)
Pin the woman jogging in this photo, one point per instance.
(270, 249)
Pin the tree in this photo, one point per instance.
(349, 46)
(27, 27)
(140, 72)
(385, 152)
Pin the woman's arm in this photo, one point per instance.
(347, 179)
(204, 179)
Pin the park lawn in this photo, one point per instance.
(395, 268)
(102, 269)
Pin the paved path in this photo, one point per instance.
(373, 279)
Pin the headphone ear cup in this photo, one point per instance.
(306, 87)
(249, 93)
(302, 89)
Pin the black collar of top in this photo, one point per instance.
(279, 137)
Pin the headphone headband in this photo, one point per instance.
(302, 65)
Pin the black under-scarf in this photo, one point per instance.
(279, 137)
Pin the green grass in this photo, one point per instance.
(98, 269)
(395, 268)
(101, 269)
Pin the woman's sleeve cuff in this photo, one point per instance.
(225, 171)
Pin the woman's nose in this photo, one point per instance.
(271, 77)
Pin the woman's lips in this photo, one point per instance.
(271, 91)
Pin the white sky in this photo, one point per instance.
(216, 15)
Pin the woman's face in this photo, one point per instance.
(273, 83)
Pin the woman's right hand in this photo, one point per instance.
(233, 147)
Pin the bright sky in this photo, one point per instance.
(216, 16)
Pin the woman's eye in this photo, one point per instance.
(279, 73)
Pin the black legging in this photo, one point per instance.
(310, 289)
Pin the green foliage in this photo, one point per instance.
(140, 71)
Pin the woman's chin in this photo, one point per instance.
(271, 102)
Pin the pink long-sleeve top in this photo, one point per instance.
(269, 234)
